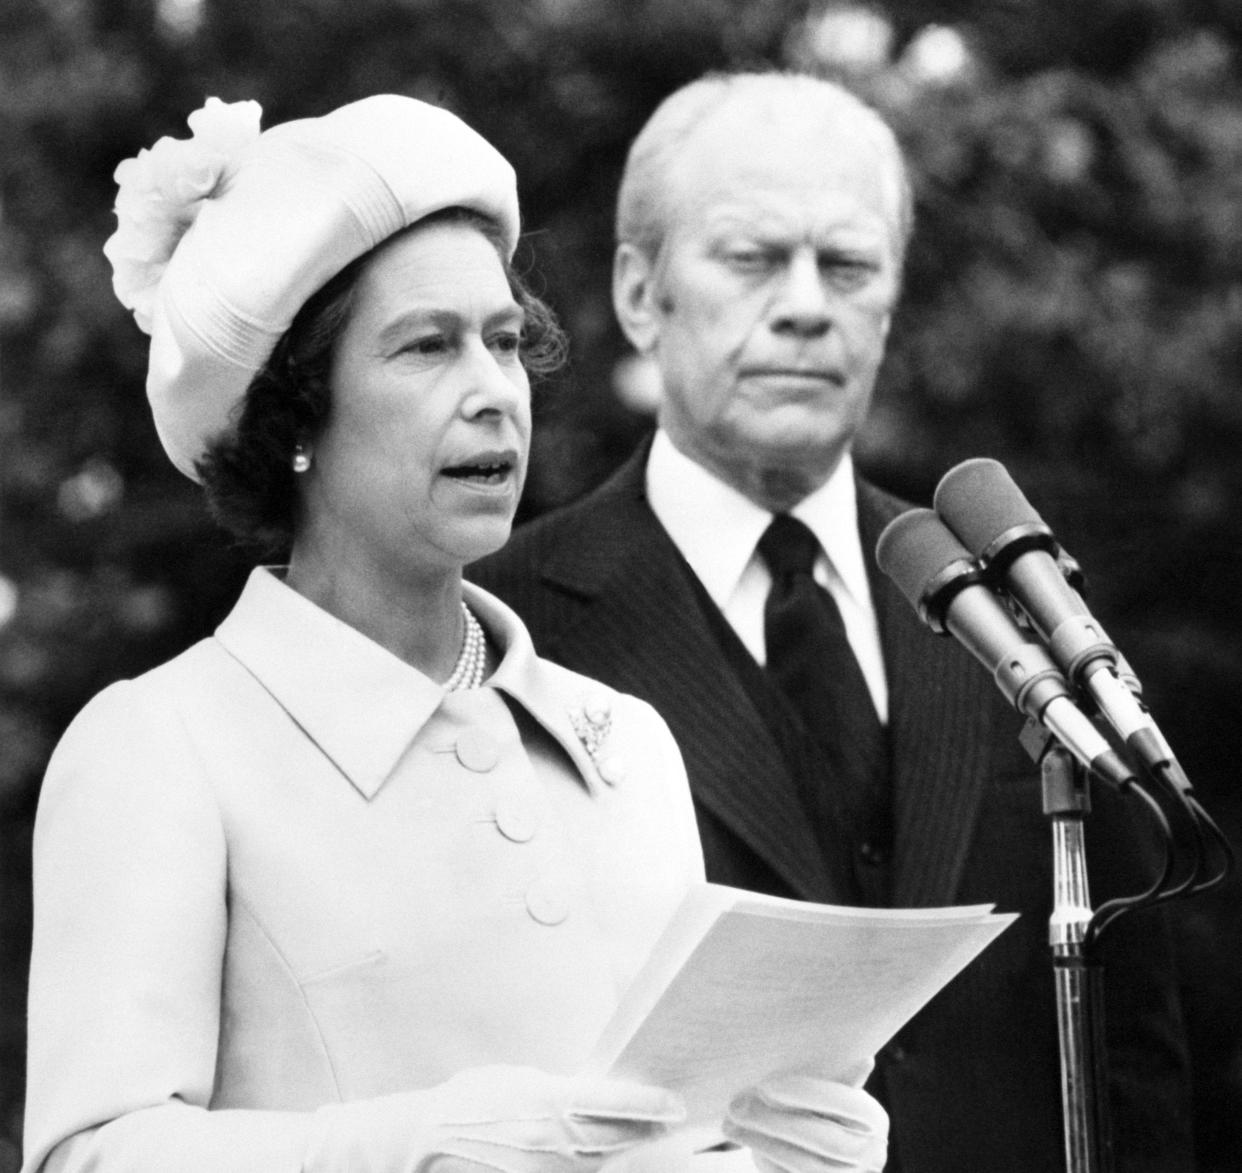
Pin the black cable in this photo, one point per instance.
(1110, 910)
(1207, 835)
(1188, 885)
(1205, 822)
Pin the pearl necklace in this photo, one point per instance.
(472, 660)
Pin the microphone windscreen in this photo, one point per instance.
(978, 500)
(916, 550)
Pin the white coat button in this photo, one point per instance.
(547, 900)
(476, 750)
(517, 818)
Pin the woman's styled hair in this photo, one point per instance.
(247, 471)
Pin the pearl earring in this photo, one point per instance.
(301, 459)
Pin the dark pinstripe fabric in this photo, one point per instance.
(972, 1083)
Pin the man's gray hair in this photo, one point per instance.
(645, 200)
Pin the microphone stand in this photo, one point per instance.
(1079, 978)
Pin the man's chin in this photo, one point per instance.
(801, 451)
(777, 472)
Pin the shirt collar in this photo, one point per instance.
(717, 528)
(831, 513)
(359, 703)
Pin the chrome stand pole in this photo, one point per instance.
(1079, 987)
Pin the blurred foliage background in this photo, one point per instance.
(1073, 308)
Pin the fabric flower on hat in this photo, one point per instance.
(161, 191)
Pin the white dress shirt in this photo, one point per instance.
(717, 530)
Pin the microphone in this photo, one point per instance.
(937, 574)
(981, 504)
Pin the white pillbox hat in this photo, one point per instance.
(222, 238)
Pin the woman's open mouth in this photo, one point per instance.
(485, 474)
(488, 469)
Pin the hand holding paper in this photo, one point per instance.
(522, 1120)
(740, 987)
(806, 1124)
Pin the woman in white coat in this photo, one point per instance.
(355, 883)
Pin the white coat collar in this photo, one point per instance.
(360, 704)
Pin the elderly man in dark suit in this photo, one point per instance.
(836, 750)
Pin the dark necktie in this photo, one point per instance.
(809, 657)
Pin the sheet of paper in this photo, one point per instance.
(740, 986)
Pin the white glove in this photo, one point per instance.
(798, 1123)
(522, 1120)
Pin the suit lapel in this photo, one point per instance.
(628, 614)
(632, 618)
(941, 712)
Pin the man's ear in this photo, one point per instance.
(634, 296)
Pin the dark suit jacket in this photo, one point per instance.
(972, 1083)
